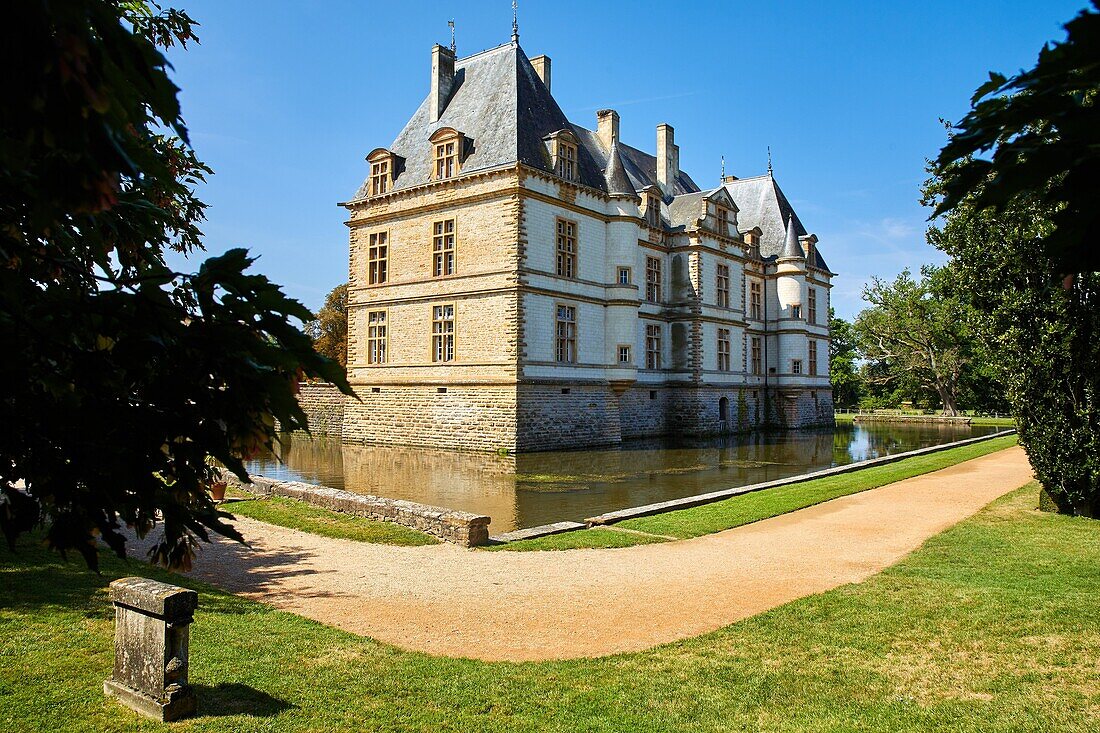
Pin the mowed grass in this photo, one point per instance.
(748, 508)
(308, 518)
(991, 627)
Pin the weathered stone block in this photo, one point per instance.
(151, 648)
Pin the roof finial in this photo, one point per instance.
(451, 23)
(769, 160)
(723, 180)
(515, 22)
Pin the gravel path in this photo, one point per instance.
(445, 600)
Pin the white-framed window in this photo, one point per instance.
(813, 358)
(567, 160)
(624, 354)
(376, 337)
(653, 346)
(624, 276)
(567, 248)
(566, 334)
(796, 366)
(443, 248)
(378, 258)
(756, 300)
(653, 279)
(723, 349)
(722, 286)
(379, 177)
(443, 332)
(446, 159)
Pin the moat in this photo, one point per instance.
(538, 488)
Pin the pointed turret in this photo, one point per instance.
(791, 248)
(618, 183)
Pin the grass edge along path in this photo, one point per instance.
(299, 515)
(754, 507)
(990, 626)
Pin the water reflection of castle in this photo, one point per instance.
(535, 488)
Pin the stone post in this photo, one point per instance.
(151, 634)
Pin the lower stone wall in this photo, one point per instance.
(804, 408)
(323, 404)
(475, 417)
(449, 525)
(555, 416)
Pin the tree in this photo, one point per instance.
(918, 329)
(1041, 127)
(843, 352)
(1019, 228)
(124, 381)
(329, 330)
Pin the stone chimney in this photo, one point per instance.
(607, 127)
(443, 77)
(668, 158)
(541, 65)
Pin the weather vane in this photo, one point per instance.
(451, 23)
(723, 169)
(515, 22)
(769, 159)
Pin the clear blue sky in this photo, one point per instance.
(284, 100)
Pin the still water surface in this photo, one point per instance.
(539, 488)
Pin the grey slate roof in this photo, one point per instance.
(687, 209)
(791, 247)
(641, 168)
(614, 174)
(761, 203)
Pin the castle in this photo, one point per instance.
(519, 282)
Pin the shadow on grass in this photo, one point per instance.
(233, 698)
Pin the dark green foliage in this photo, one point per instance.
(1041, 127)
(122, 379)
(1020, 228)
(843, 352)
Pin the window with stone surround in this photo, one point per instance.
(443, 248)
(796, 311)
(447, 153)
(381, 171)
(443, 332)
(378, 258)
(376, 337)
(813, 358)
(653, 210)
(796, 366)
(566, 334)
(624, 354)
(811, 305)
(756, 300)
(567, 248)
(757, 355)
(653, 346)
(653, 279)
(722, 215)
(567, 161)
(723, 349)
(624, 276)
(722, 287)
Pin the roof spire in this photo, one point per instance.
(515, 22)
(769, 160)
(723, 178)
(451, 23)
(791, 247)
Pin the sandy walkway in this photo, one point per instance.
(554, 605)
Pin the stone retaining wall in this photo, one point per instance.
(323, 404)
(449, 525)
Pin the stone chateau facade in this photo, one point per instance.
(520, 282)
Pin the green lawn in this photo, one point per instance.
(754, 507)
(846, 418)
(308, 518)
(991, 626)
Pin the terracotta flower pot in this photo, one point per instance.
(217, 491)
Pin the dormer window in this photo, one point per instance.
(447, 145)
(563, 151)
(722, 216)
(653, 210)
(382, 164)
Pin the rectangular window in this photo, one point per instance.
(446, 159)
(653, 279)
(376, 337)
(796, 311)
(653, 211)
(624, 276)
(723, 286)
(379, 177)
(811, 306)
(377, 258)
(813, 358)
(653, 346)
(567, 160)
(756, 301)
(624, 354)
(567, 334)
(723, 349)
(443, 248)
(723, 221)
(567, 248)
(796, 366)
(757, 355)
(443, 333)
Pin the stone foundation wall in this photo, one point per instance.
(449, 525)
(804, 408)
(555, 416)
(323, 404)
(473, 417)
